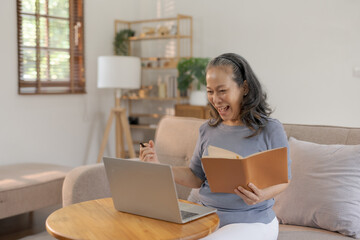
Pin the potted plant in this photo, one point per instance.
(192, 76)
(121, 44)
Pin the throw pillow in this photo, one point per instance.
(324, 191)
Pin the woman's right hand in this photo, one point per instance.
(147, 153)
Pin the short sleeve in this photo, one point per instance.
(279, 139)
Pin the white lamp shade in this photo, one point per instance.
(121, 72)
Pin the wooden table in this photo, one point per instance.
(98, 219)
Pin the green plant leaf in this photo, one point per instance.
(191, 69)
(121, 43)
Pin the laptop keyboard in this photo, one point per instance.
(185, 214)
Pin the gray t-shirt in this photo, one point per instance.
(231, 208)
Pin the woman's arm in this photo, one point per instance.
(259, 195)
(182, 175)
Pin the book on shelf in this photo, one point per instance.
(171, 86)
(226, 170)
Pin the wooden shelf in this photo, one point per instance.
(161, 58)
(158, 68)
(155, 98)
(143, 126)
(156, 37)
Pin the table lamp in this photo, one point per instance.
(118, 73)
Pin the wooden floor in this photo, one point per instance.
(26, 226)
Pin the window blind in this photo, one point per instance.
(50, 47)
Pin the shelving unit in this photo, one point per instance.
(160, 44)
(180, 28)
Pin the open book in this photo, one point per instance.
(226, 170)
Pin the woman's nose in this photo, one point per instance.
(216, 98)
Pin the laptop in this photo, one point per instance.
(148, 189)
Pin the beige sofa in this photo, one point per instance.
(26, 187)
(175, 140)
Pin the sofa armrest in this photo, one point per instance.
(85, 183)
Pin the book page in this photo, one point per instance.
(270, 150)
(216, 152)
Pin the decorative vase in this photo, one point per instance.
(198, 98)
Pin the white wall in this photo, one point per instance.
(62, 129)
(302, 50)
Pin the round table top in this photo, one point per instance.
(98, 219)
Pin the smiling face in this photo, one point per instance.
(224, 94)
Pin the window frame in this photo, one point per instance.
(76, 82)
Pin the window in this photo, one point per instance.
(50, 46)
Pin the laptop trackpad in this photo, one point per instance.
(189, 210)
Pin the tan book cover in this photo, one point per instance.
(226, 170)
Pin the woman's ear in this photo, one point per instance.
(246, 88)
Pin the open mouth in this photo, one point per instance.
(222, 110)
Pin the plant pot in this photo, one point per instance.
(198, 98)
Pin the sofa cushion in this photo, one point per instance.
(26, 187)
(305, 233)
(324, 191)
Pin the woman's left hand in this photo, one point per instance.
(250, 198)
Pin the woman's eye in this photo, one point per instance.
(222, 90)
(209, 92)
